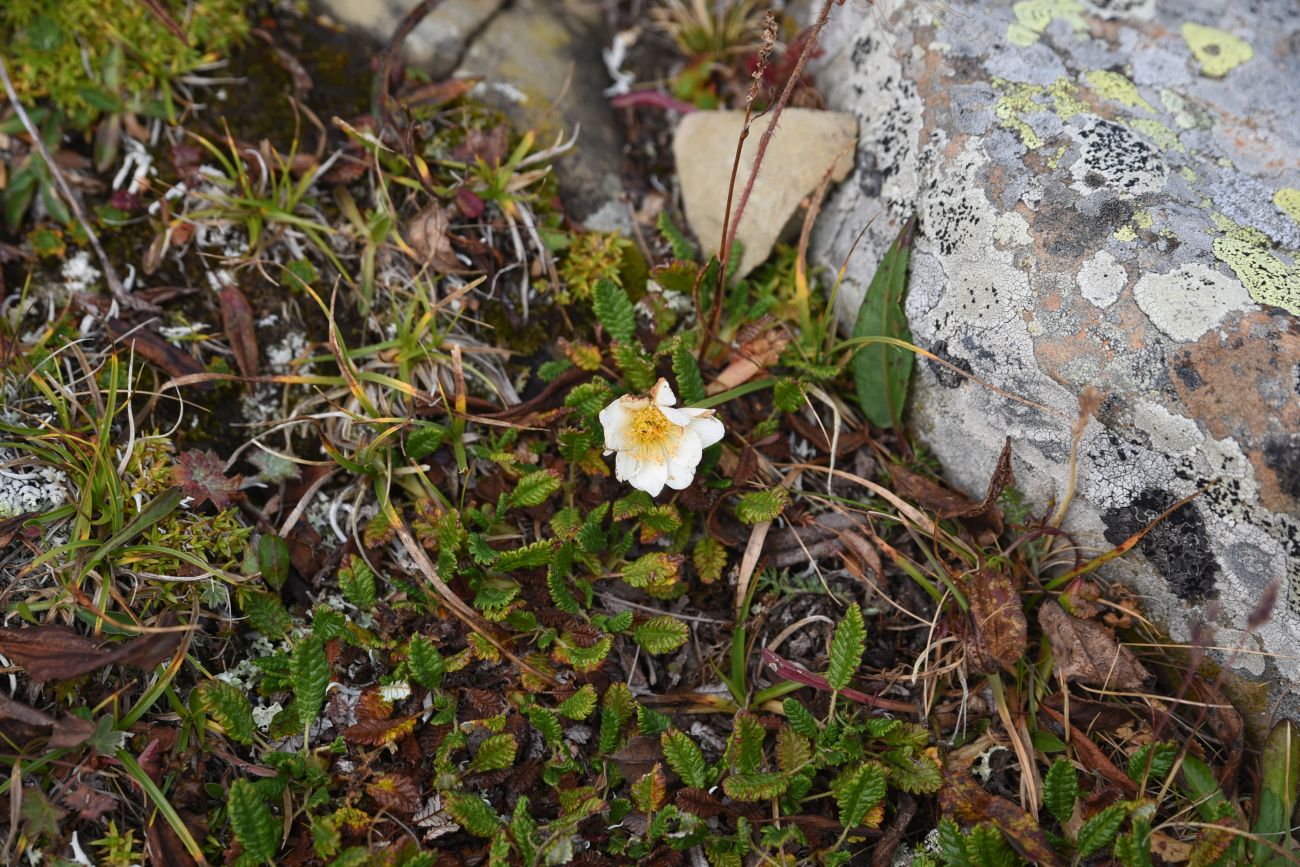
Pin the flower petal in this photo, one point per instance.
(649, 476)
(625, 466)
(679, 416)
(707, 428)
(614, 419)
(682, 464)
(662, 393)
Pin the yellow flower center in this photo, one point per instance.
(651, 433)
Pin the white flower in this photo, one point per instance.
(657, 444)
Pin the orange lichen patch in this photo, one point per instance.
(1243, 385)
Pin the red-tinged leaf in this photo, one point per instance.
(700, 803)
(237, 319)
(202, 475)
(371, 706)
(396, 793)
(963, 799)
(89, 803)
(378, 732)
(1000, 630)
(1087, 652)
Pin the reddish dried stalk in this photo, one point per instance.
(784, 668)
(730, 225)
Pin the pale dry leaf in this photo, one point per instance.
(427, 233)
(1087, 652)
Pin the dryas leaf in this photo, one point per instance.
(881, 372)
(661, 634)
(1100, 829)
(495, 753)
(690, 383)
(228, 705)
(309, 671)
(614, 310)
(847, 647)
(649, 792)
(857, 790)
(758, 506)
(533, 489)
(473, 814)
(357, 581)
(755, 786)
(710, 558)
(685, 758)
(251, 820)
(579, 705)
(1061, 789)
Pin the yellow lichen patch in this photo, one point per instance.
(1034, 16)
(1163, 136)
(1126, 233)
(1063, 93)
(1268, 278)
(1018, 99)
(1288, 200)
(1218, 51)
(1117, 88)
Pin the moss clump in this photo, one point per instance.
(91, 56)
(590, 258)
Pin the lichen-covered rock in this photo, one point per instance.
(1109, 196)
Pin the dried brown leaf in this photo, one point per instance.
(88, 802)
(984, 519)
(999, 628)
(12, 527)
(57, 652)
(377, 732)
(237, 320)
(962, 798)
(699, 802)
(1087, 652)
(156, 351)
(371, 706)
(396, 793)
(428, 235)
(20, 723)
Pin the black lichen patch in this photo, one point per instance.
(1282, 455)
(1124, 161)
(946, 376)
(1178, 547)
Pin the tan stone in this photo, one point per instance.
(805, 146)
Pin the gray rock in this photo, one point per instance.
(542, 66)
(1109, 196)
(437, 42)
(806, 145)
